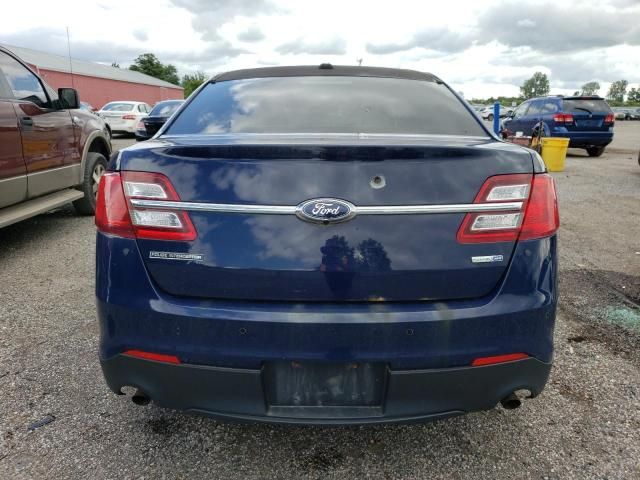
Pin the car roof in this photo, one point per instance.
(327, 70)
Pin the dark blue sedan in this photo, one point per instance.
(329, 245)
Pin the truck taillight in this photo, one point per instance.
(537, 218)
(116, 215)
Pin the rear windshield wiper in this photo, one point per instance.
(583, 109)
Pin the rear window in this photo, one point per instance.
(164, 109)
(118, 107)
(326, 105)
(585, 105)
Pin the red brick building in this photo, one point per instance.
(97, 84)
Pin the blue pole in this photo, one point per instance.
(496, 118)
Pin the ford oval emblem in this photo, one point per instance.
(326, 210)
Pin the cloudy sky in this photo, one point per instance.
(482, 48)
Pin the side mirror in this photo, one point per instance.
(69, 98)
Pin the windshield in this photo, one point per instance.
(585, 105)
(165, 109)
(118, 107)
(326, 105)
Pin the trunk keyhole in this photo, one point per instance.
(377, 181)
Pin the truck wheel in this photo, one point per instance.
(595, 151)
(94, 169)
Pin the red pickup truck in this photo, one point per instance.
(51, 152)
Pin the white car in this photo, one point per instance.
(487, 112)
(123, 116)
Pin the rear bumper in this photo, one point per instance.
(128, 126)
(410, 395)
(426, 346)
(584, 139)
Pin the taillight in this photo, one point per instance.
(128, 117)
(112, 214)
(610, 119)
(496, 226)
(538, 216)
(140, 126)
(563, 118)
(116, 215)
(541, 218)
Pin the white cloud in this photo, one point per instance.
(480, 48)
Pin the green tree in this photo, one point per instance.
(536, 86)
(617, 91)
(590, 88)
(191, 82)
(633, 97)
(149, 64)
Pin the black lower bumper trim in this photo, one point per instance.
(411, 395)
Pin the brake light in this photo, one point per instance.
(117, 215)
(610, 119)
(510, 357)
(563, 118)
(128, 117)
(112, 215)
(541, 218)
(157, 357)
(537, 218)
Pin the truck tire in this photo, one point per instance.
(95, 167)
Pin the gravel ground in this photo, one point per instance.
(586, 424)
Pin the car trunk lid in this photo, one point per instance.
(260, 254)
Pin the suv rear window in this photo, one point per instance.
(326, 105)
(585, 105)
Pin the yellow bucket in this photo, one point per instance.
(554, 151)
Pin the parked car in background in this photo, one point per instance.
(123, 117)
(586, 121)
(160, 113)
(626, 113)
(271, 257)
(487, 112)
(52, 152)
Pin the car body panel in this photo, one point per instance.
(389, 258)
(517, 316)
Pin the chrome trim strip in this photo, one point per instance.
(454, 208)
(366, 210)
